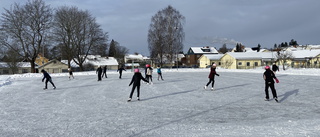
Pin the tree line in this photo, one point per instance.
(65, 33)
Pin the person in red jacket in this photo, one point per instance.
(211, 76)
(268, 76)
(137, 77)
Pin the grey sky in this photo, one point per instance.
(250, 22)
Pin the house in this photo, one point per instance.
(305, 59)
(194, 53)
(208, 59)
(41, 60)
(135, 60)
(246, 60)
(94, 61)
(22, 67)
(54, 66)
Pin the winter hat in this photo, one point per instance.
(266, 67)
(148, 65)
(136, 70)
(214, 65)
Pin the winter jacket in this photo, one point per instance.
(46, 76)
(268, 76)
(149, 71)
(99, 71)
(121, 69)
(212, 73)
(158, 70)
(137, 77)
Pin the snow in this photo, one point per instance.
(175, 107)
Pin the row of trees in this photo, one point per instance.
(68, 33)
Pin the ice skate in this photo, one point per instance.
(212, 89)
(266, 99)
(54, 87)
(205, 87)
(129, 100)
(276, 99)
(44, 88)
(138, 98)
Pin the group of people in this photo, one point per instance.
(268, 76)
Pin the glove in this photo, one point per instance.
(218, 75)
(277, 81)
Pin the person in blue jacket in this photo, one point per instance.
(48, 79)
(137, 77)
(159, 72)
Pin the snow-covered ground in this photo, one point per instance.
(177, 106)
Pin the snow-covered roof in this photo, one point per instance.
(252, 55)
(95, 60)
(204, 50)
(213, 56)
(305, 53)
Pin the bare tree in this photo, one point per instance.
(88, 34)
(283, 56)
(166, 35)
(78, 33)
(26, 27)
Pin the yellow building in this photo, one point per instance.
(246, 60)
(54, 66)
(207, 59)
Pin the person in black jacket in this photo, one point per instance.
(275, 68)
(48, 79)
(99, 71)
(268, 76)
(137, 77)
(104, 72)
(120, 71)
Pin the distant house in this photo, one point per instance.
(22, 67)
(208, 59)
(54, 66)
(246, 60)
(135, 60)
(194, 53)
(305, 59)
(95, 61)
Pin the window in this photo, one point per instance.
(248, 63)
(240, 63)
(256, 63)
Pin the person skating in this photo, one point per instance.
(159, 72)
(99, 72)
(48, 79)
(268, 76)
(149, 73)
(137, 77)
(275, 68)
(211, 76)
(104, 73)
(120, 71)
(70, 73)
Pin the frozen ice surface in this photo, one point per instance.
(175, 107)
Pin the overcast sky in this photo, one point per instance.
(208, 22)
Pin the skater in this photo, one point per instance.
(149, 73)
(48, 79)
(70, 74)
(104, 71)
(137, 77)
(275, 68)
(268, 76)
(99, 72)
(120, 71)
(159, 72)
(211, 76)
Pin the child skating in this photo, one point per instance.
(159, 73)
(149, 73)
(137, 77)
(211, 76)
(268, 76)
